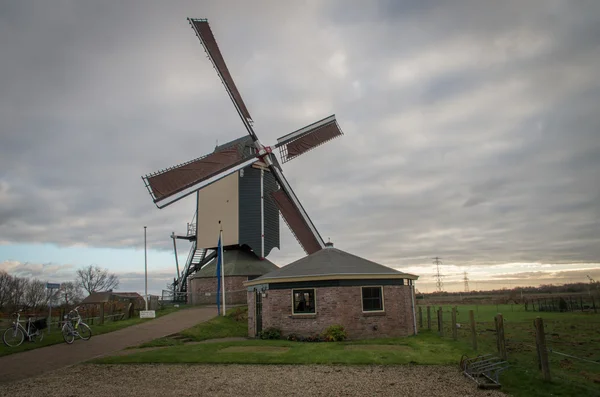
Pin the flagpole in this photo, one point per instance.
(223, 272)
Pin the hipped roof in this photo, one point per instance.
(237, 263)
(105, 296)
(328, 264)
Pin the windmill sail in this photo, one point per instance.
(301, 141)
(207, 39)
(177, 182)
(295, 222)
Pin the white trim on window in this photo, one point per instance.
(382, 299)
(314, 301)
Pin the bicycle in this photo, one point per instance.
(15, 334)
(80, 329)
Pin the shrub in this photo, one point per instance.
(335, 333)
(270, 333)
(295, 337)
(314, 338)
(239, 314)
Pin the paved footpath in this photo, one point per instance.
(38, 361)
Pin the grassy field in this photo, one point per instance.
(577, 334)
(423, 349)
(572, 337)
(233, 324)
(54, 336)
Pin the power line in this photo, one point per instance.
(439, 284)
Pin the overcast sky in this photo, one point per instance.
(472, 130)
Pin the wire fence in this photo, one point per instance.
(572, 340)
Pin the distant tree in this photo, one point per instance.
(5, 288)
(17, 288)
(70, 293)
(35, 294)
(94, 278)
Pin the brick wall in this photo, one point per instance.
(235, 292)
(251, 314)
(339, 305)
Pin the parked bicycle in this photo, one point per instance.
(75, 327)
(15, 335)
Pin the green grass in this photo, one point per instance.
(233, 324)
(426, 348)
(54, 336)
(572, 333)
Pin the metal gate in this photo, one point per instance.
(258, 305)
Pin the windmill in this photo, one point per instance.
(240, 187)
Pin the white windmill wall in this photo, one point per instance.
(218, 202)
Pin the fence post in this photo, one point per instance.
(441, 321)
(429, 318)
(499, 320)
(420, 317)
(473, 332)
(594, 305)
(101, 313)
(454, 329)
(542, 351)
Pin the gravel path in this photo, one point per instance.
(247, 380)
(35, 362)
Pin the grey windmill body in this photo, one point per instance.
(240, 186)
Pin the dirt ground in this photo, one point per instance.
(151, 380)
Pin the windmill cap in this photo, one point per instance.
(329, 244)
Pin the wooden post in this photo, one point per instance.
(500, 336)
(594, 305)
(429, 318)
(441, 321)
(101, 313)
(473, 331)
(542, 351)
(420, 317)
(454, 329)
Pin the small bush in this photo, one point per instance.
(270, 333)
(295, 338)
(239, 314)
(314, 338)
(335, 333)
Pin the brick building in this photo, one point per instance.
(333, 287)
(240, 266)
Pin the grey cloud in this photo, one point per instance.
(95, 95)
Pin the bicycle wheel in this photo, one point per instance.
(68, 334)
(85, 332)
(13, 337)
(38, 336)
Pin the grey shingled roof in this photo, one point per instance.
(331, 262)
(238, 263)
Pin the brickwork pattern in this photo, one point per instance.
(235, 292)
(340, 305)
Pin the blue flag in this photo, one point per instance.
(219, 259)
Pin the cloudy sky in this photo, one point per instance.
(472, 130)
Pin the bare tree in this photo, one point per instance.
(70, 293)
(17, 289)
(35, 294)
(94, 278)
(5, 286)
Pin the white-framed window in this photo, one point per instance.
(372, 299)
(304, 301)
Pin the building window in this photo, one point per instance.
(303, 301)
(372, 299)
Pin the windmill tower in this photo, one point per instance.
(240, 187)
